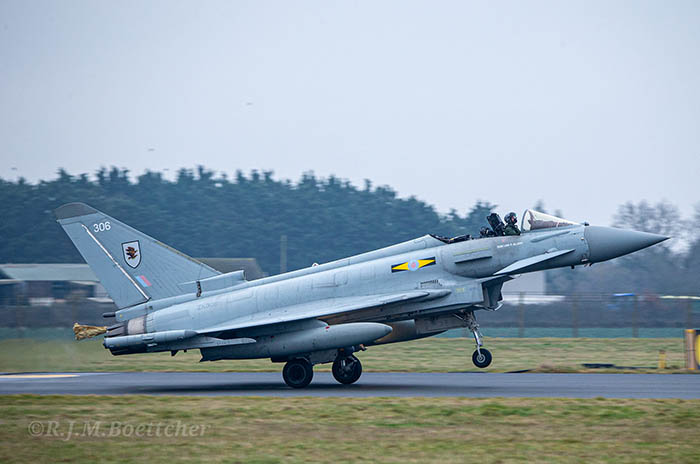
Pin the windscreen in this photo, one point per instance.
(534, 220)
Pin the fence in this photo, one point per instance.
(591, 315)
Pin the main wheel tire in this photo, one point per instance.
(483, 360)
(298, 373)
(347, 370)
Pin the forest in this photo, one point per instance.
(211, 215)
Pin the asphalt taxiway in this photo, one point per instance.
(372, 384)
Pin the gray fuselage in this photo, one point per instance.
(464, 269)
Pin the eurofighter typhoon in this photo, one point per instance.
(325, 313)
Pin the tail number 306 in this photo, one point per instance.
(101, 226)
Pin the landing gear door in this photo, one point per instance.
(492, 294)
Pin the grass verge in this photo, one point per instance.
(346, 429)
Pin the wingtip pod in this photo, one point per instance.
(71, 210)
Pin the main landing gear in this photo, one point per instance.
(481, 357)
(299, 372)
(347, 370)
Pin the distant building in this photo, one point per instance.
(531, 282)
(529, 288)
(44, 284)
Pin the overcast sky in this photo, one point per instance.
(583, 104)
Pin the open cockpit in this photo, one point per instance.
(531, 221)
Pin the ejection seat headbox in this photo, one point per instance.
(496, 223)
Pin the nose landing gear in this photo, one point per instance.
(481, 357)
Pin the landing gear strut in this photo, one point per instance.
(297, 373)
(347, 370)
(481, 357)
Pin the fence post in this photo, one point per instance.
(635, 317)
(74, 309)
(574, 316)
(521, 315)
(20, 321)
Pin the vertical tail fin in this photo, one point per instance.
(132, 266)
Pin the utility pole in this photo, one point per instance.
(283, 254)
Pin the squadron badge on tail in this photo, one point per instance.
(132, 253)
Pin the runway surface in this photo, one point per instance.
(371, 384)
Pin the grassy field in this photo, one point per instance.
(427, 355)
(346, 430)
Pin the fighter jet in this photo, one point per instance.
(325, 313)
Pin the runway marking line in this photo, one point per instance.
(37, 376)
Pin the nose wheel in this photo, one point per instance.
(482, 358)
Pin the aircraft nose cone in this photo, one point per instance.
(608, 242)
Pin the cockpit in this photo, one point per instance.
(534, 220)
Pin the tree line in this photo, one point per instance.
(215, 216)
(212, 215)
